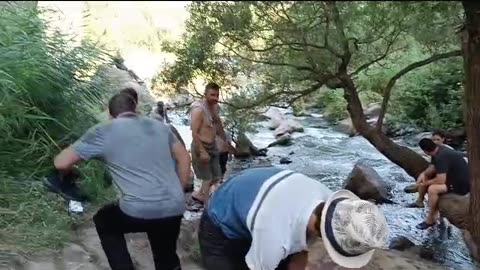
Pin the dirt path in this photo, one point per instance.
(86, 254)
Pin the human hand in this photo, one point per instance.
(204, 156)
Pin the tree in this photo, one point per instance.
(471, 55)
(295, 48)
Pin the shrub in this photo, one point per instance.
(46, 102)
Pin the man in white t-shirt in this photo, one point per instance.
(263, 218)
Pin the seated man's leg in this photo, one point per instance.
(422, 190)
(434, 191)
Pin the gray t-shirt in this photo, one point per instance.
(137, 151)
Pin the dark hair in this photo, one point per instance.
(130, 91)
(161, 108)
(121, 103)
(427, 145)
(212, 86)
(318, 212)
(439, 133)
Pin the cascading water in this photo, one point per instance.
(329, 156)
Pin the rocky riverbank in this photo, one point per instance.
(85, 253)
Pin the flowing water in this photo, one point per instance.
(329, 156)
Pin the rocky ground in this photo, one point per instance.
(86, 254)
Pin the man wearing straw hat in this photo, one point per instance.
(264, 218)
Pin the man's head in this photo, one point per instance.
(438, 137)
(121, 103)
(212, 93)
(428, 146)
(130, 91)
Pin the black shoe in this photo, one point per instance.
(424, 225)
(64, 185)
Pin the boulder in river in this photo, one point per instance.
(244, 148)
(281, 123)
(373, 110)
(365, 182)
(285, 160)
(285, 139)
(287, 126)
(346, 126)
(401, 243)
(455, 208)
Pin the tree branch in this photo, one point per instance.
(346, 56)
(388, 89)
(380, 58)
(297, 67)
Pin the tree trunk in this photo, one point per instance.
(471, 55)
(404, 157)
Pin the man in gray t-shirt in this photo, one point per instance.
(141, 154)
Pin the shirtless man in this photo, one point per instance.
(206, 125)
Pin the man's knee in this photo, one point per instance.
(437, 189)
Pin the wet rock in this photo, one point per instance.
(291, 153)
(455, 137)
(285, 160)
(365, 182)
(287, 126)
(346, 126)
(372, 110)
(455, 208)
(285, 139)
(474, 249)
(244, 148)
(401, 243)
(281, 123)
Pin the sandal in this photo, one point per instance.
(424, 225)
(414, 205)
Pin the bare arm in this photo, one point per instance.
(66, 159)
(298, 261)
(219, 125)
(89, 146)
(197, 121)
(182, 158)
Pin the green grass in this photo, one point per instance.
(47, 100)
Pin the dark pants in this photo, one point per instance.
(221, 253)
(112, 224)
(223, 162)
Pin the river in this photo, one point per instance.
(328, 156)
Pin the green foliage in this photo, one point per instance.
(432, 98)
(333, 104)
(293, 48)
(47, 100)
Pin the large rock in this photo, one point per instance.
(281, 123)
(285, 139)
(455, 208)
(287, 126)
(244, 148)
(372, 110)
(365, 182)
(346, 126)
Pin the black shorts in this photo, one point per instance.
(221, 253)
(458, 189)
(223, 162)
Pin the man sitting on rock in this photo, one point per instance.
(265, 218)
(448, 173)
(140, 153)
